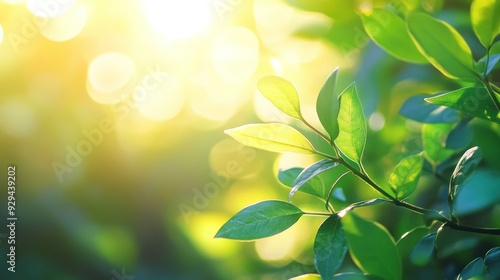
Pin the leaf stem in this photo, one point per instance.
(484, 79)
(318, 214)
(433, 214)
(325, 137)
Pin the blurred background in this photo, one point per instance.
(114, 112)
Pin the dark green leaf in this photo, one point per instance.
(474, 269)
(389, 31)
(485, 16)
(408, 241)
(478, 192)
(328, 105)
(330, 247)
(355, 276)
(352, 125)
(404, 179)
(282, 94)
(492, 262)
(423, 251)
(314, 187)
(273, 137)
(465, 166)
(260, 220)
(371, 247)
(311, 172)
(442, 45)
(460, 136)
(417, 109)
(474, 101)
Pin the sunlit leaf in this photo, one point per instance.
(474, 269)
(260, 220)
(389, 31)
(403, 180)
(485, 17)
(424, 250)
(282, 94)
(474, 101)
(352, 125)
(274, 137)
(408, 241)
(307, 277)
(314, 186)
(355, 205)
(311, 172)
(492, 262)
(479, 191)
(442, 45)
(417, 109)
(372, 248)
(330, 247)
(464, 168)
(434, 141)
(328, 105)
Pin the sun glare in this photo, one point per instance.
(178, 20)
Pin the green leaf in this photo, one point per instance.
(474, 101)
(328, 105)
(417, 109)
(460, 136)
(487, 63)
(311, 172)
(274, 137)
(260, 220)
(370, 202)
(352, 126)
(478, 192)
(485, 17)
(474, 269)
(282, 94)
(355, 276)
(442, 45)
(423, 251)
(492, 262)
(434, 141)
(372, 248)
(314, 186)
(389, 31)
(307, 277)
(408, 241)
(330, 247)
(464, 168)
(404, 179)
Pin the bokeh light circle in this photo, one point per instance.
(66, 26)
(235, 53)
(159, 96)
(177, 20)
(110, 72)
(49, 9)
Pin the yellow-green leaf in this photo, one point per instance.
(485, 17)
(352, 126)
(442, 45)
(403, 180)
(274, 137)
(389, 31)
(282, 94)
